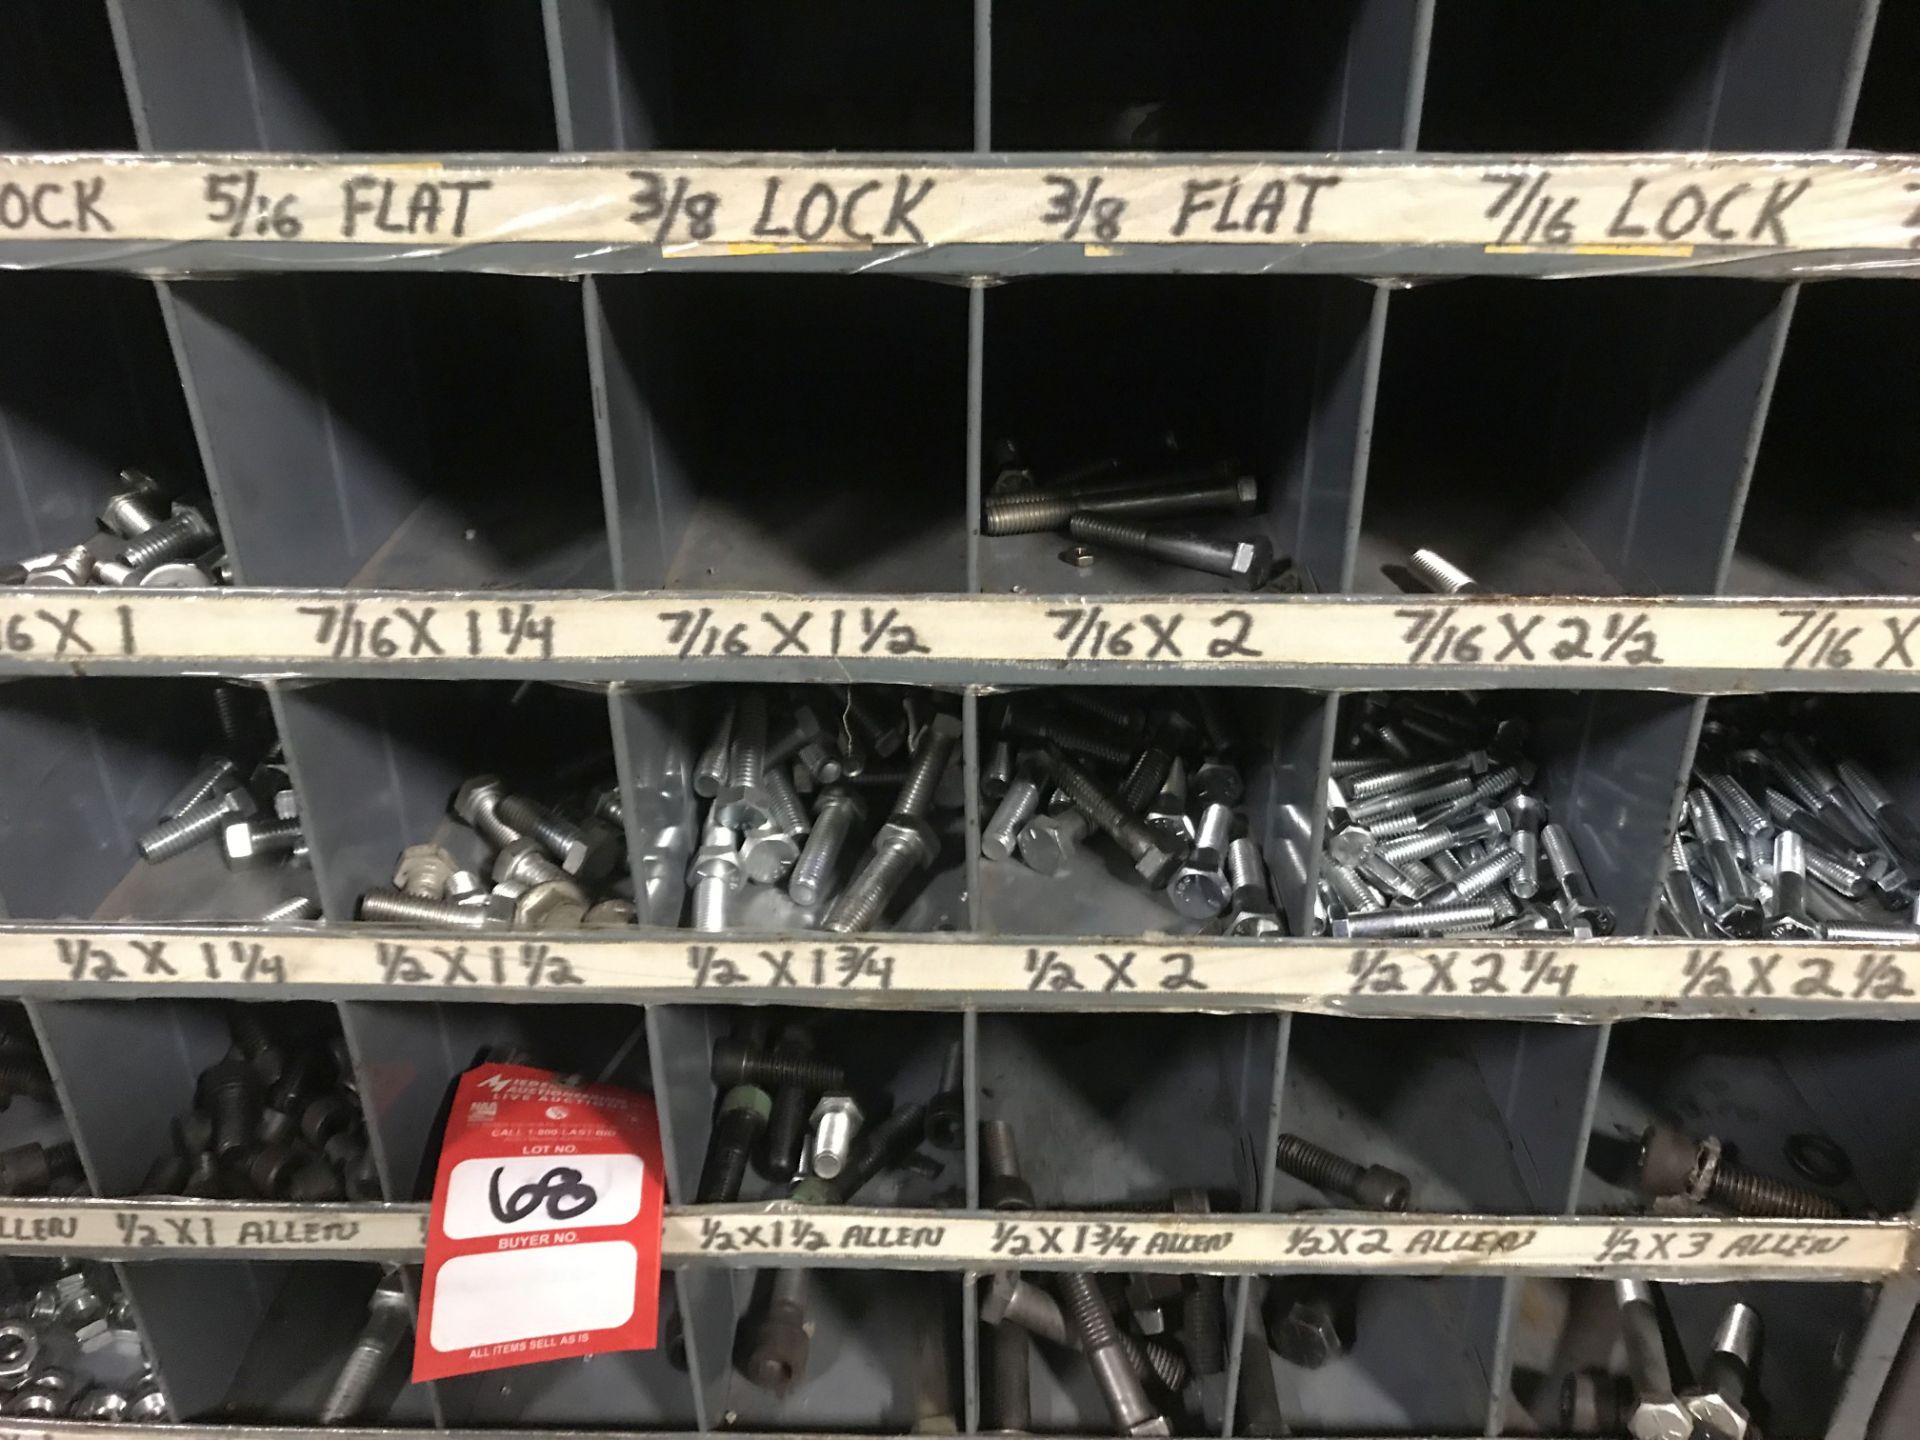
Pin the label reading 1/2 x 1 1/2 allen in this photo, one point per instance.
(543, 1241)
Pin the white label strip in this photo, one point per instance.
(1661, 205)
(313, 632)
(733, 1235)
(1594, 979)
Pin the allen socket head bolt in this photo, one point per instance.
(1001, 1184)
(1672, 1163)
(1372, 1187)
(946, 1122)
(1119, 1382)
(1154, 861)
(1441, 575)
(742, 1120)
(782, 1338)
(836, 1121)
(789, 1063)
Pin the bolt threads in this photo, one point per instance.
(1481, 877)
(1246, 871)
(531, 818)
(747, 753)
(1835, 874)
(185, 533)
(1102, 809)
(1419, 845)
(182, 832)
(1202, 1328)
(217, 775)
(1152, 1360)
(880, 1147)
(1441, 575)
(1748, 817)
(364, 1364)
(393, 907)
(275, 835)
(915, 799)
(735, 1064)
(1067, 736)
(1320, 1168)
(710, 905)
(530, 868)
(1354, 894)
(24, 1077)
(1865, 789)
(813, 872)
(1092, 1322)
(1396, 802)
(734, 1134)
(710, 773)
(1707, 821)
(998, 1153)
(860, 906)
(1438, 919)
(1012, 1383)
(1010, 816)
(1745, 1193)
(1143, 782)
(1213, 557)
(788, 813)
(1399, 777)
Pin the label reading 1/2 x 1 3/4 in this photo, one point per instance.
(1698, 643)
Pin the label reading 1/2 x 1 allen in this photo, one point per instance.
(543, 1241)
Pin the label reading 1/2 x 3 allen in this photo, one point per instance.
(543, 1241)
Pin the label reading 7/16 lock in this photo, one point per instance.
(543, 1241)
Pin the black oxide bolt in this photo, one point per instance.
(947, 1111)
(1373, 1186)
(1119, 1382)
(1001, 1185)
(881, 1147)
(230, 1093)
(735, 1063)
(791, 1120)
(742, 1120)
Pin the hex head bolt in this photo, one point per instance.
(1019, 804)
(743, 802)
(1672, 1163)
(915, 800)
(1049, 842)
(477, 802)
(1418, 920)
(588, 854)
(1248, 563)
(836, 814)
(1787, 917)
(1657, 1412)
(1479, 877)
(1247, 880)
(1199, 889)
(1148, 773)
(997, 774)
(185, 533)
(1154, 861)
(214, 776)
(1577, 891)
(247, 842)
(710, 772)
(1871, 797)
(1677, 888)
(229, 1091)
(741, 1122)
(790, 1062)
(130, 514)
(394, 907)
(389, 1320)
(1031, 511)
(789, 811)
(901, 847)
(1399, 802)
(1719, 1406)
(1372, 1187)
(836, 1121)
(1441, 575)
(1119, 1382)
(182, 832)
(714, 876)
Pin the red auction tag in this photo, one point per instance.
(544, 1237)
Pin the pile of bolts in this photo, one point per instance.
(276, 1118)
(1722, 1404)
(243, 797)
(773, 748)
(1104, 505)
(505, 860)
(790, 1114)
(1782, 837)
(34, 1167)
(69, 1347)
(143, 540)
(1158, 780)
(1432, 829)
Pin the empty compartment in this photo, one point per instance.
(436, 745)
(331, 75)
(1480, 1118)
(59, 78)
(1376, 1354)
(1589, 439)
(147, 799)
(1804, 1119)
(1234, 402)
(1888, 115)
(849, 474)
(881, 1351)
(1641, 75)
(431, 431)
(757, 809)
(647, 74)
(1247, 758)
(208, 1099)
(37, 1153)
(266, 1341)
(1125, 1110)
(79, 403)
(866, 1109)
(1078, 75)
(1832, 511)
(1525, 773)
(1571, 1375)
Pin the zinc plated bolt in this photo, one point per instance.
(836, 1120)
(524, 862)
(1678, 889)
(901, 847)
(588, 853)
(186, 532)
(1148, 773)
(1350, 888)
(996, 776)
(1741, 810)
(1720, 1405)
(1737, 908)
(741, 1122)
(710, 773)
(1479, 878)
(1049, 842)
(1373, 1187)
(389, 1319)
(1199, 889)
(1018, 804)
(789, 812)
(1025, 513)
(915, 800)
(131, 513)
(1787, 917)
(392, 907)
(1154, 862)
(714, 876)
(1672, 1163)
(1247, 879)
(1418, 920)
(744, 803)
(229, 1091)
(1248, 563)
(1119, 1382)
(835, 816)
(477, 802)
(246, 842)
(1166, 814)
(1441, 575)
(217, 774)
(1657, 1411)
(767, 853)
(1579, 901)
(189, 828)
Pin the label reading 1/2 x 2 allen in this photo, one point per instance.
(543, 1241)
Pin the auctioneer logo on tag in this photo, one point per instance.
(544, 1237)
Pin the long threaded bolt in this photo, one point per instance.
(1203, 1327)
(710, 774)
(791, 1121)
(1745, 1193)
(789, 813)
(915, 800)
(1248, 563)
(1405, 777)
(1067, 736)
(1119, 1382)
(1398, 802)
(1373, 1186)
(747, 752)
(187, 532)
(788, 1063)
(1103, 810)
(782, 1339)
(1572, 877)
(532, 818)
(216, 775)
(1677, 886)
(1352, 890)
(881, 1148)
(1673, 1163)
(898, 850)
(1247, 876)
(1012, 1382)
(1022, 514)
(1019, 805)
(838, 812)
(1834, 874)
(1788, 918)
(1002, 1187)
(1479, 877)
(1656, 1410)
(1747, 816)
(392, 907)
(190, 828)
(741, 1122)
(1836, 933)
(1441, 575)
(388, 1322)
(1150, 769)
(1418, 920)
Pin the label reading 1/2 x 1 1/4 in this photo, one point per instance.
(1678, 644)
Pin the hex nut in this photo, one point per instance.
(19, 1352)
(1252, 562)
(916, 834)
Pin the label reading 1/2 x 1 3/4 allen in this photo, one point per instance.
(544, 1237)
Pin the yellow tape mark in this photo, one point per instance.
(1670, 251)
(696, 249)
